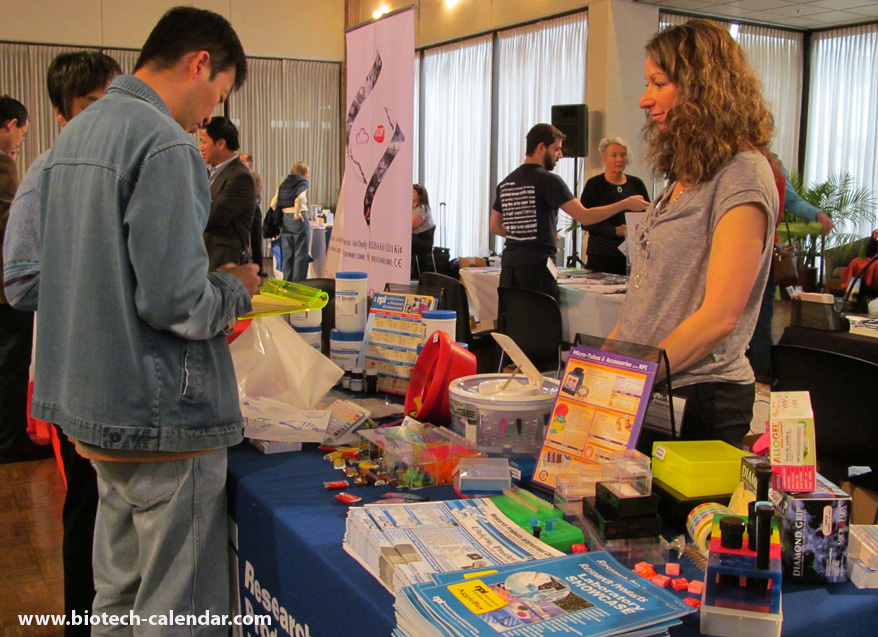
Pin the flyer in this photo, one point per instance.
(599, 411)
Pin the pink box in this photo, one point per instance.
(680, 584)
(696, 587)
(672, 568)
(660, 580)
(694, 603)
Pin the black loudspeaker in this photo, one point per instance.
(572, 120)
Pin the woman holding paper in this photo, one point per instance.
(605, 237)
(703, 252)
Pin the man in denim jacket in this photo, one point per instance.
(132, 362)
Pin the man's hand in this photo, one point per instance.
(825, 221)
(248, 274)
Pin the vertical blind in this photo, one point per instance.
(842, 122)
(532, 77)
(457, 142)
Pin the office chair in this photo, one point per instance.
(843, 399)
(533, 321)
(452, 296)
(327, 322)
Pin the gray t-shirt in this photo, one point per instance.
(669, 266)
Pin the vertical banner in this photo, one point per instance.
(372, 231)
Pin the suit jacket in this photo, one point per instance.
(232, 207)
(8, 186)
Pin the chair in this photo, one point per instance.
(327, 322)
(452, 296)
(843, 399)
(533, 321)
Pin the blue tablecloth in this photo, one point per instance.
(290, 557)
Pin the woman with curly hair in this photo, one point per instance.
(703, 251)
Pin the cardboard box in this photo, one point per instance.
(814, 533)
(865, 503)
(792, 446)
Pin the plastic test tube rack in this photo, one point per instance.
(739, 597)
(539, 517)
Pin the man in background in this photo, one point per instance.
(256, 228)
(16, 328)
(132, 361)
(75, 81)
(232, 195)
(526, 213)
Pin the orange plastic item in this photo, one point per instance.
(440, 362)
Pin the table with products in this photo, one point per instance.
(288, 533)
(582, 310)
(864, 347)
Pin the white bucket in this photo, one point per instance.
(308, 318)
(313, 335)
(344, 348)
(443, 320)
(351, 291)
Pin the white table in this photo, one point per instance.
(582, 310)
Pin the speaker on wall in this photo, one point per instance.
(572, 120)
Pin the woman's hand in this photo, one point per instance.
(635, 203)
(621, 230)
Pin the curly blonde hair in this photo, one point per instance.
(719, 111)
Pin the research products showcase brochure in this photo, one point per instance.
(588, 594)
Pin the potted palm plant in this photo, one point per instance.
(846, 204)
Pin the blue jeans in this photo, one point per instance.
(161, 542)
(295, 242)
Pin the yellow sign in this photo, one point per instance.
(477, 596)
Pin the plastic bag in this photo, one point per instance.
(272, 361)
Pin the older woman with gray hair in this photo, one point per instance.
(607, 188)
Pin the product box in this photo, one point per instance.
(792, 447)
(814, 533)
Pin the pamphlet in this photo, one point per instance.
(599, 411)
(581, 594)
(394, 333)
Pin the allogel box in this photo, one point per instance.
(792, 447)
(814, 533)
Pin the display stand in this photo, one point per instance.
(600, 407)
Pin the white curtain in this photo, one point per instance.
(538, 65)
(457, 142)
(776, 56)
(23, 76)
(416, 168)
(842, 125)
(288, 111)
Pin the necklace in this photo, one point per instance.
(678, 195)
(619, 189)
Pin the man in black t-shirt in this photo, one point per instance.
(525, 211)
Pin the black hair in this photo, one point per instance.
(542, 134)
(221, 127)
(183, 30)
(77, 74)
(11, 108)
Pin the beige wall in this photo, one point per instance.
(617, 33)
(308, 30)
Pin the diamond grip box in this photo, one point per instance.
(814, 533)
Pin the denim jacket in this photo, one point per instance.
(131, 352)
